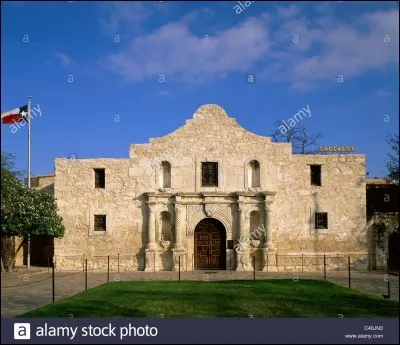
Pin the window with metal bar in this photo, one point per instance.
(321, 220)
(99, 222)
(209, 174)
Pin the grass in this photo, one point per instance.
(240, 299)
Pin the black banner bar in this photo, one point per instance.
(200, 331)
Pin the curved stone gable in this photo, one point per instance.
(210, 112)
(212, 131)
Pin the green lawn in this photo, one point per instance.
(263, 298)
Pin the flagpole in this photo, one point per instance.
(29, 173)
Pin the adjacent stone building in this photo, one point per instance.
(210, 195)
(383, 224)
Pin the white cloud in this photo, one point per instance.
(204, 13)
(176, 53)
(326, 47)
(342, 49)
(288, 11)
(163, 93)
(383, 93)
(65, 60)
(130, 14)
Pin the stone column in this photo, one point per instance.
(151, 249)
(179, 220)
(268, 240)
(243, 243)
(178, 250)
(268, 246)
(152, 229)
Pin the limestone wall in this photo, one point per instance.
(341, 194)
(78, 201)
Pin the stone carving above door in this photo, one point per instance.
(195, 213)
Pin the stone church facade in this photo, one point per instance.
(210, 195)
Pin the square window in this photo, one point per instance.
(315, 175)
(100, 222)
(209, 174)
(321, 220)
(99, 178)
(230, 244)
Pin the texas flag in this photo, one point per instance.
(15, 115)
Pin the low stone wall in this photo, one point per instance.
(310, 263)
(118, 263)
(273, 262)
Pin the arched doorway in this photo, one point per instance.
(210, 245)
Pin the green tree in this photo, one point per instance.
(393, 164)
(25, 212)
(8, 165)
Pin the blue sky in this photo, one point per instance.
(93, 69)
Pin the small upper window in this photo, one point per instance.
(321, 220)
(209, 174)
(99, 178)
(315, 175)
(166, 175)
(255, 174)
(100, 222)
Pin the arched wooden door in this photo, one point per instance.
(210, 245)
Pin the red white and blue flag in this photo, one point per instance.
(15, 115)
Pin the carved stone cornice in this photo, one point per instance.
(242, 207)
(269, 199)
(152, 206)
(207, 210)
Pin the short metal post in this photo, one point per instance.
(388, 281)
(85, 274)
(267, 263)
(387, 265)
(108, 269)
(254, 267)
(337, 261)
(230, 262)
(118, 262)
(179, 269)
(349, 273)
(324, 267)
(276, 260)
(53, 282)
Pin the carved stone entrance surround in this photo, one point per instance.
(188, 209)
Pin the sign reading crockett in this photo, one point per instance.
(336, 148)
